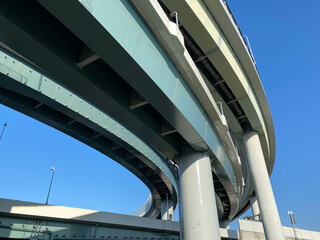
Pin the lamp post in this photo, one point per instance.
(293, 222)
(4, 126)
(314, 207)
(53, 169)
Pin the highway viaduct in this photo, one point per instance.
(168, 89)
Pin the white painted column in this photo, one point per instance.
(199, 211)
(267, 204)
(167, 209)
(255, 207)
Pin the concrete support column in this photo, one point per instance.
(255, 208)
(267, 204)
(167, 209)
(199, 211)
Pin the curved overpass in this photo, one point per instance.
(25, 89)
(153, 85)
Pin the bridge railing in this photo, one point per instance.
(244, 37)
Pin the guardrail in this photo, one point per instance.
(244, 37)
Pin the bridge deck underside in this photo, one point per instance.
(102, 72)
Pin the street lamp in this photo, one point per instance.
(4, 126)
(314, 207)
(53, 169)
(293, 222)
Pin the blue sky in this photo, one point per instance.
(284, 36)
(83, 178)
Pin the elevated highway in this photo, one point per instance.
(168, 89)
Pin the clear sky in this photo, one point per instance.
(285, 39)
(284, 36)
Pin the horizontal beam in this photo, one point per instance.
(78, 215)
(87, 56)
(56, 222)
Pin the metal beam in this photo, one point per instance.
(87, 56)
(136, 100)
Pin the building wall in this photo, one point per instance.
(253, 230)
